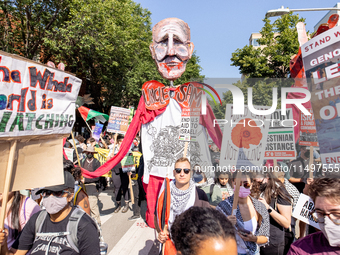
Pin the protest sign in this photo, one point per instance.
(119, 119)
(308, 135)
(97, 131)
(128, 163)
(69, 153)
(190, 116)
(303, 211)
(321, 57)
(35, 99)
(244, 139)
(280, 139)
(101, 155)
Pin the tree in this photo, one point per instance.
(273, 60)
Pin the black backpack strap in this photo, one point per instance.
(212, 190)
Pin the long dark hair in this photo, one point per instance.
(15, 211)
(273, 189)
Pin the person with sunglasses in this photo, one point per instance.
(53, 235)
(272, 193)
(251, 220)
(325, 193)
(184, 194)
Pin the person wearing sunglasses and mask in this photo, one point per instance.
(52, 235)
(325, 193)
(272, 193)
(184, 194)
(251, 220)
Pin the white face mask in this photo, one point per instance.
(54, 204)
(331, 232)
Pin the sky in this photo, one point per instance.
(219, 27)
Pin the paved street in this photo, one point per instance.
(123, 236)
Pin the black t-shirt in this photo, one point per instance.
(88, 239)
(277, 235)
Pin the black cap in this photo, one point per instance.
(68, 183)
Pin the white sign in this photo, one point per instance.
(69, 153)
(303, 209)
(35, 99)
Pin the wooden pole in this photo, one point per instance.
(275, 163)
(75, 147)
(131, 190)
(185, 149)
(237, 190)
(8, 179)
(311, 160)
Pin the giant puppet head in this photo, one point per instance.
(171, 47)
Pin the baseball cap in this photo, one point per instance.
(68, 183)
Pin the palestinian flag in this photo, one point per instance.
(88, 114)
(162, 215)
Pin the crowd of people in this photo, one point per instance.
(202, 220)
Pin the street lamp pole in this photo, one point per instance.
(281, 11)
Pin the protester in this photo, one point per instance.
(49, 231)
(277, 201)
(325, 193)
(92, 142)
(215, 155)
(19, 210)
(251, 220)
(223, 182)
(81, 142)
(120, 180)
(183, 194)
(200, 231)
(92, 185)
(208, 186)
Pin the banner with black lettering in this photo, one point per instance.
(321, 59)
(304, 211)
(280, 139)
(35, 99)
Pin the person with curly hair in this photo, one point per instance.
(203, 230)
(325, 193)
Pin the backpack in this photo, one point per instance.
(72, 236)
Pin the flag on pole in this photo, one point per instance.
(88, 114)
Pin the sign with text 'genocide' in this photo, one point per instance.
(280, 139)
(35, 99)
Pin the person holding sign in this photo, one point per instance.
(277, 201)
(250, 219)
(325, 193)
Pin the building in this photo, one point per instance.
(253, 40)
(326, 17)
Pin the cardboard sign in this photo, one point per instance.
(97, 131)
(69, 153)
(308, 135)
(303, 209)
(321, 60)
(119, 120)
(280, 139)
(128, 163)
(37, 163)
(244, 139)
(35, 99)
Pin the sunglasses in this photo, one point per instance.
(179, 170)
(245, 185)
(47, 193)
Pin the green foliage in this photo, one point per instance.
(280, 39)
(105, 43)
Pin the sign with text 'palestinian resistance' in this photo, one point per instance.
(35, 99)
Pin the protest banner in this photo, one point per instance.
(97, 131)
(69, 153)
(280, 139)
(303, 211)
(128, 163)
(37, 108)
(119, 120)
(321, 57)
(308, 135)
(244, 139)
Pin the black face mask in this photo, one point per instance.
(90, 155)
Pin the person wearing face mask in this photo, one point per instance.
(278, 202)
(325, 193)
(53, 234)
(251, 220)
(92, 185)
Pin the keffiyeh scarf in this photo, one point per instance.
(180, 198)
